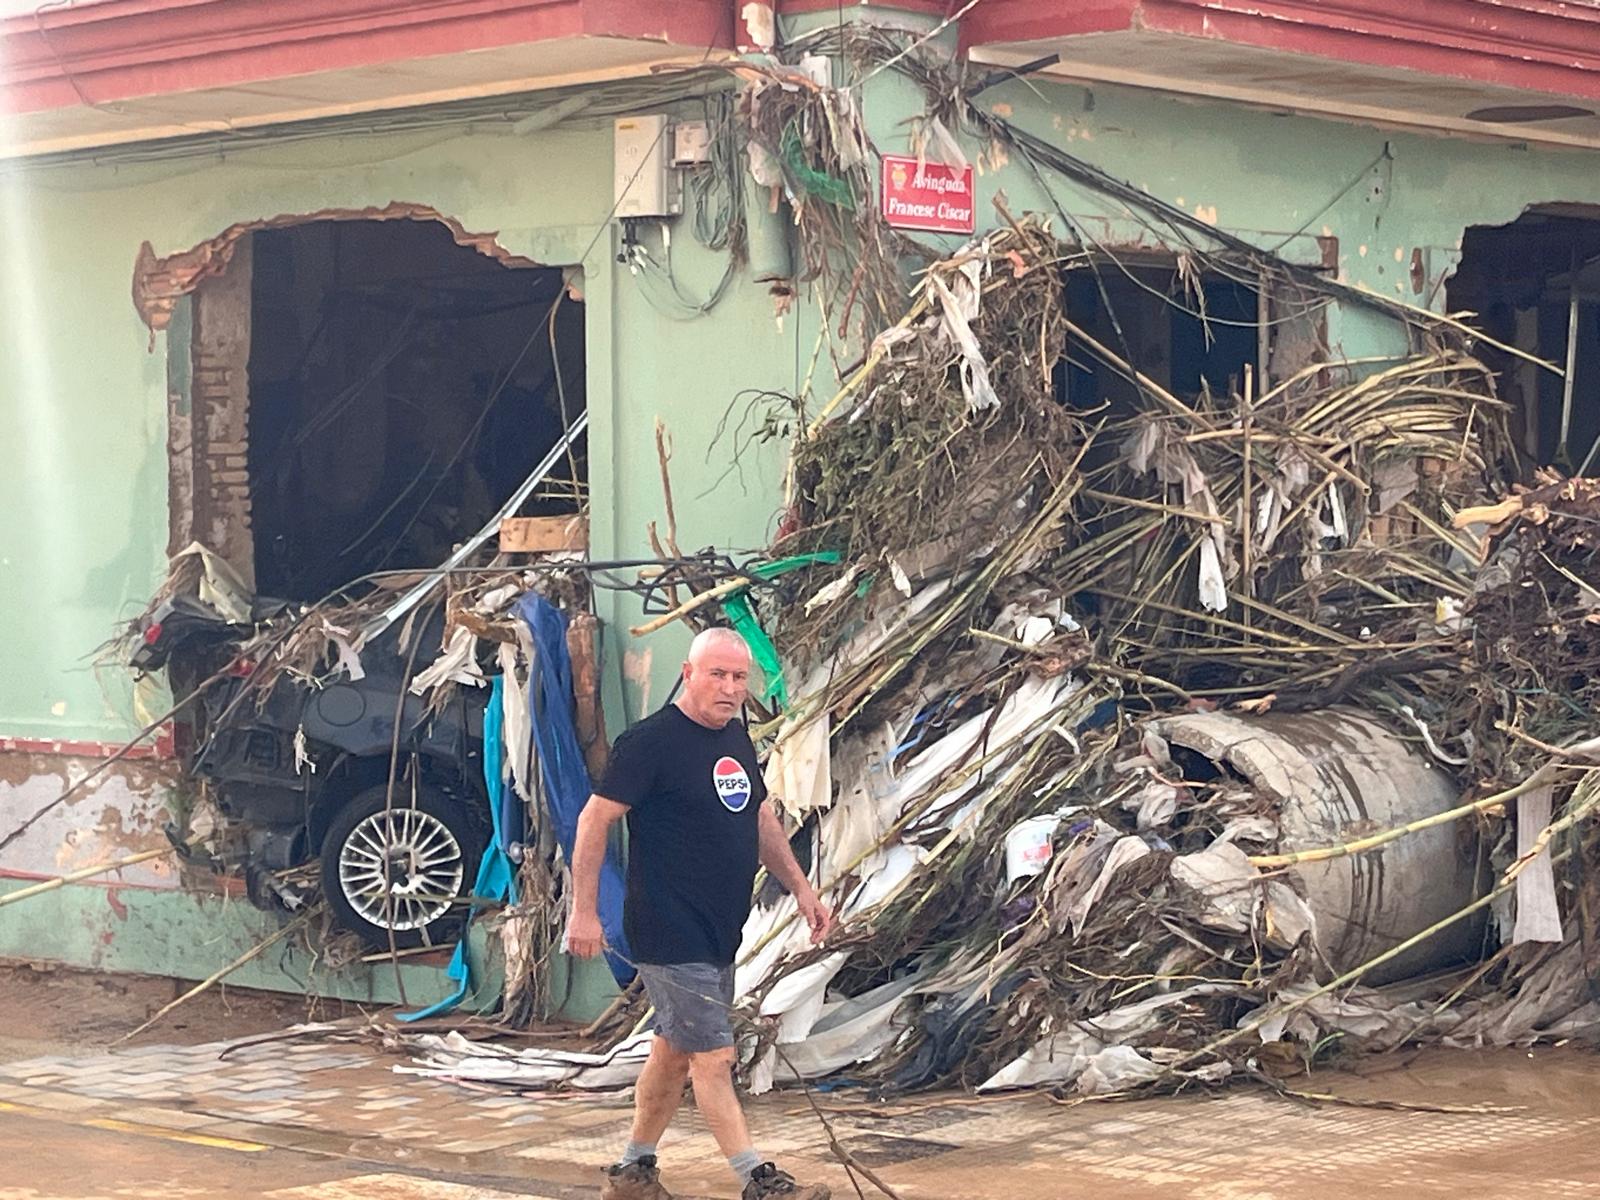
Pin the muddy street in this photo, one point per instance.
(170, 1118)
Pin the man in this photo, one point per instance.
(687, 781)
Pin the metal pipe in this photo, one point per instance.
(1572, 367)
(413, 597)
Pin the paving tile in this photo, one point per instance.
(63, 1102)
(276, 1115)
(168, 1118)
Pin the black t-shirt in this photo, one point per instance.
(694, 797)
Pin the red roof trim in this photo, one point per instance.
(1532, 45)
(123, 49)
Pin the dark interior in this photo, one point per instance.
(401, 387)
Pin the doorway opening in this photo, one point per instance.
(1535, 284)
(370, 394)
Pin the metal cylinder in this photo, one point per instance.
(1337, 775)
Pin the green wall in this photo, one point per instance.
(83, 458)
(83, 468)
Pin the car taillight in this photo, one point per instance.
(152, 633)
(242, 668)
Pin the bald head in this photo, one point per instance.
(720, 640)
(716, 678)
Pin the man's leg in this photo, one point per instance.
(656, 1097)
(717, 1101)
(714, 1094)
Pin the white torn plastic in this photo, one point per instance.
(902, 581)
(1123, 851)
(456, 1057)
(1156, 804)
(1289, 917)
(849, 1031)
(1213, 587)
(516, 718)
(219, 584)
(302, 757)
(1221, 877)
(1115, 1069)
(1064, 1055)
(798, 771)
(349, 660)
(1538, 915)
(1029, 848)
(836, 590)
(960, 307)
(458, 664)
(1427, 738)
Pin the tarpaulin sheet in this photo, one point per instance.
(561, 766)
(496, 879)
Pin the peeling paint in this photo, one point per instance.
(1206, 213)
(159, 282)
(122, 812)
(636, 670)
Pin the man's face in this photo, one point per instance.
(716, 685)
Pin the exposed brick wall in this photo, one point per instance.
(219, 429)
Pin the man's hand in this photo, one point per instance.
(585, 937)
(816, 915)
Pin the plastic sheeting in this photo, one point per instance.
(496, 879)
(561, 766)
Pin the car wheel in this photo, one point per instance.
(402, 868)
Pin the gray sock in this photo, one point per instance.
(636, 1151)
(744, 1163)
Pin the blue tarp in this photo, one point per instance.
(496, 879)
(566, 777)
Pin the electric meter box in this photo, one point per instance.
(645, 183)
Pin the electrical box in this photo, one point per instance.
(691, 144)
(646, 185)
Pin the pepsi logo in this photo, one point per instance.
(732, 784)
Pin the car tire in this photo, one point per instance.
(423, 851)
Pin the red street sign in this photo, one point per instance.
(932, 197)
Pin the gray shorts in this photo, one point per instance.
(693, 1003)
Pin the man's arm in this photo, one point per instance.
(780, 862)
(585, 937)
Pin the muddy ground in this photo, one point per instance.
(58, 1010)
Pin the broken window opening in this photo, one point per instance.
(383, 390)
(1190, 336)
(1531, 284)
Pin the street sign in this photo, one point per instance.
(931, 197)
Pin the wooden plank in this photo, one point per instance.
(543, 535)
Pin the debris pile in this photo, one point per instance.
(1164, 743)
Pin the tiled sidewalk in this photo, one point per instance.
(347, 1100)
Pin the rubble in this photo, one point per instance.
(1196, 639)
(1137, 746)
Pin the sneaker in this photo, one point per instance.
(634, 1181)
(766, 1180)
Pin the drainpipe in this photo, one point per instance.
(755, 32)
(771, 260)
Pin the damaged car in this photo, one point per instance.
(379, 788)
